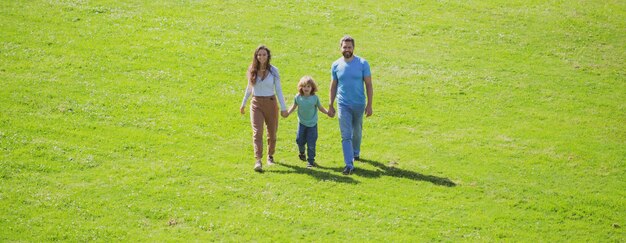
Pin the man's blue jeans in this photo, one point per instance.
(350, 124)
(307, 135)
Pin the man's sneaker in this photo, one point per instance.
(270, 160)
(357, 158)
(348, 170)
(302, 157)
(258, 167)
(311, 165)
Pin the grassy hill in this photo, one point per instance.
(493, 121)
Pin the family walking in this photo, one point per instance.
(351, 83)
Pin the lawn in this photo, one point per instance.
(493, 121)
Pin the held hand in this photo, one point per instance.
(368, 111)
(242, 110)
(285, 114)
(331, 112)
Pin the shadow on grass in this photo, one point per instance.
(395, 172)
(359, 171)
(315, 172)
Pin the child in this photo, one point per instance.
(308, 103)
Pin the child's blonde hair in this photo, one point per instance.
(307, 80)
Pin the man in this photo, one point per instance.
(349, 74)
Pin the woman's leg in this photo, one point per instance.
(257, 119)
(271, 120)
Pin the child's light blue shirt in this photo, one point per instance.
(307, 109)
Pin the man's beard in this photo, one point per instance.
(347, 54)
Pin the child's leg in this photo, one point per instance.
(311, 139)
(301, 138)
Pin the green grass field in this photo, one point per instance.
(493, 121)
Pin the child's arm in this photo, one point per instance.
(322, 109)
(293, 107)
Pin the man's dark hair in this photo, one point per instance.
(347, 38)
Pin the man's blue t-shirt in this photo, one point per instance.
(349, 76)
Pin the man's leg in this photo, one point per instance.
(357, 128)
(345, 126)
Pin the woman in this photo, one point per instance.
(264, 85)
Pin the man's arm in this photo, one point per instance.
(370, 95)
(333, 93)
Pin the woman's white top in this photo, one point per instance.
(269, 86)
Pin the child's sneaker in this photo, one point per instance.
(302, 157)
(270, 160)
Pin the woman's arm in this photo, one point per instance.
(242, 109)
(279, 89)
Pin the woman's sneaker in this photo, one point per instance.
(258, 166)
(270, 160)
